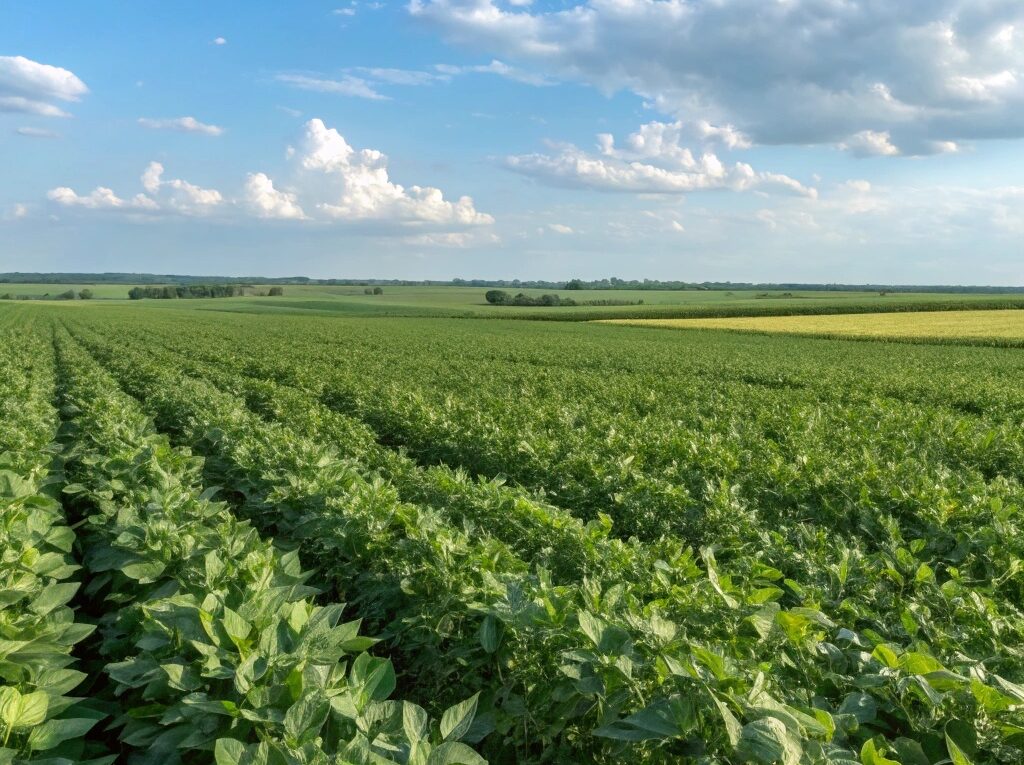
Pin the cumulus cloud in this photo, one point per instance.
(219, 41)
(181, 125)
(870, 143)
(331, 183)
(179, 195)
(174, 196)
(100, 198)
(29, 87)
(651, 161)
(267, 202)
(357, 185)
(346, 85)
(799, 72)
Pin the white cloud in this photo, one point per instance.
(652, 161)
(403, 76)
(333, 183)
(100, 198)
(219, 41)
(267, 202)
(560, 228)
(178, 195)
(344, 86)
(29, 87)
(663, 142)
(24, 105)
(499, 68)
(793, 71)
(181, 125)
(174, 196)
(344, 11)
(459, 240)
(16, 211)
(357, 185)
(870, 143)
(34, 132)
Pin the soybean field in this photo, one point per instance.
(270, 538)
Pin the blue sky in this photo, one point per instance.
(804, 140)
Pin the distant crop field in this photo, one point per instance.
(1005, 326)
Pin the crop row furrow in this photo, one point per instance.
(215, 649)
(40, 719)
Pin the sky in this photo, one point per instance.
(852, 141)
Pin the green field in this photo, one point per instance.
(469, 302)
(570, 542)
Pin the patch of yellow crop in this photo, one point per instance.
(944, 325)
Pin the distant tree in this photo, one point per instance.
(275, 291)
(66, 295)
(368, 291)
(7, 296)
(378, 290)
(85, 294)
(497, 297)
(574, 284)
(136, 293)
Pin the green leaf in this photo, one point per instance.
(238, 629)
(228, 751)
(22, 710)
(664, 719)
(767, 742)
(456, 719)
(733, 729)
(861, 706)
(869, 755)
(960, 742)
(489, 634)
(54, 732)
(454, 753)
(306, 717)
(415, 722)
(143, 571)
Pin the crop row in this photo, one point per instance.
(705, 462)
(213, 647)
(39, 718)
(891, 642)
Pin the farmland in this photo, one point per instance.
(469, 302)
(994, 327)
(299, 535)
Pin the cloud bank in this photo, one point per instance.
(926, 73)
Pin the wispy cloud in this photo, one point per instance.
(346, 85)
(181, 125)
(499, 68)
(33, 132)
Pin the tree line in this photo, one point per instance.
(185, 291)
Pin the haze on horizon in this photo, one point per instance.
(789, 141)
